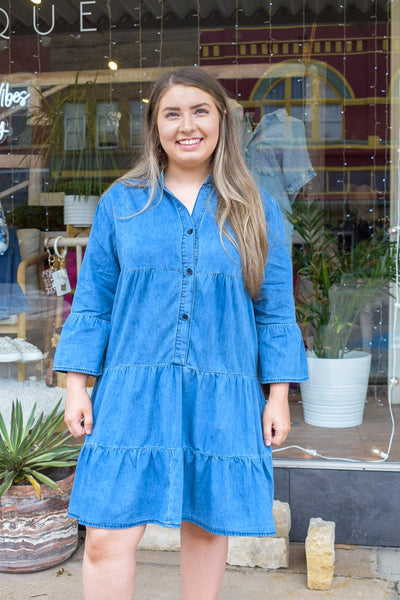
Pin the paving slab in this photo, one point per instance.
(357, 575)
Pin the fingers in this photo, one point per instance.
(79, 424)
(276, 424)
(78, 415)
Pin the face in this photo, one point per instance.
(188, 127)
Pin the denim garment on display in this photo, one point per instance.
(276, 154)
(162, 318)
(12, 299)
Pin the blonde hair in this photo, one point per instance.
(239, 201)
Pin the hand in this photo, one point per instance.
(276, 416)
(78, 414)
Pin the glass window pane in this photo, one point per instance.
(277, 92)
(107, 124)
(337, 181)
(330, 122)
(74, 126)
(325, 90)
(137, 111)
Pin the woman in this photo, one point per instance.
(181, 317)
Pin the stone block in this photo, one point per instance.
(320, 554)
(160, 538)
(265, 552)
(282, 518)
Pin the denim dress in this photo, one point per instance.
(162, 319)
(277, 157)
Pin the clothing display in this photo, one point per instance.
(180, 350)
(3, 232)
(12, 300)
(276, 154)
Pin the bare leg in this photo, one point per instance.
(203, 560)
(109, 563)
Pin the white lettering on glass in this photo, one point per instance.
(53, 21)
(12, 100)
(6, 26)
(3, 131)
(86, 14)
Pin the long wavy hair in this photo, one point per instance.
(239, 201)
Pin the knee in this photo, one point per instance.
(104, 544)
(196, 532)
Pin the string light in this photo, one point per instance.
(112, 65)
(198, 33)
(37, 2)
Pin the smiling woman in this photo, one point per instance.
(182, 323)
(188, 128)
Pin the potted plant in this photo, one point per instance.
(79, 167)
(37, 464)
(335, 287)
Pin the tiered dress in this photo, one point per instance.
(180, 350)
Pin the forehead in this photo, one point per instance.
(185, 95)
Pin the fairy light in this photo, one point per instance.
(197, 15)
(37, 2)
(236, 60)
(160, 34)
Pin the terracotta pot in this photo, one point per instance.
(36, 534)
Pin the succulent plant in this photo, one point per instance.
(28, 451)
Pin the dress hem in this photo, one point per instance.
(170, 525)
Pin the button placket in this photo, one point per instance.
(187, 289)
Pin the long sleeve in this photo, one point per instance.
(84, 338)
(280, 345)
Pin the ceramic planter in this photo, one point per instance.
(79, 210)
(36, 534)
(334, 395)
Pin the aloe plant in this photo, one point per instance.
(338, 285)
(26, 451)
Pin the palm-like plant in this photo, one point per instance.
(88, 169)
(26, 451)
(338, 284)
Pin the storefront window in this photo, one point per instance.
(315, 86)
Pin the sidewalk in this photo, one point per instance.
(360, 573)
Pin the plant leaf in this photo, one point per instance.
(36, 486)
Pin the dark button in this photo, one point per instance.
(189, 271)
(184, 317)
(190, 230)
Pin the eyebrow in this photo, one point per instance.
(191, 107)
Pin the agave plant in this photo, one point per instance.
(338, 284)
(26, 451)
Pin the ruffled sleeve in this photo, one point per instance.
(280, 346)
(81, 347)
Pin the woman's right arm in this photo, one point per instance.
(78, 405)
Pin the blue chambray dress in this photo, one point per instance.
(161, 317)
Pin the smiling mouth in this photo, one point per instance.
(190, 142)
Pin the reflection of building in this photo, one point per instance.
(336, 79)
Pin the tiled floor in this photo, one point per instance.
(352, 442)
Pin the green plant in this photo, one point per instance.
(27, 451)
(86, 169)
(336, 285)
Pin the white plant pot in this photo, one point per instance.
(334, 395)
(79, 210)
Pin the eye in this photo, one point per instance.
(202, 111)
(171, 115)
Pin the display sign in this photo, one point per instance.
(85, 10)
(11, 99)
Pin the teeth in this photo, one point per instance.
(189, 142)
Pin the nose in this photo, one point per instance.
(187, 123)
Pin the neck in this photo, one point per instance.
(193, 177)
